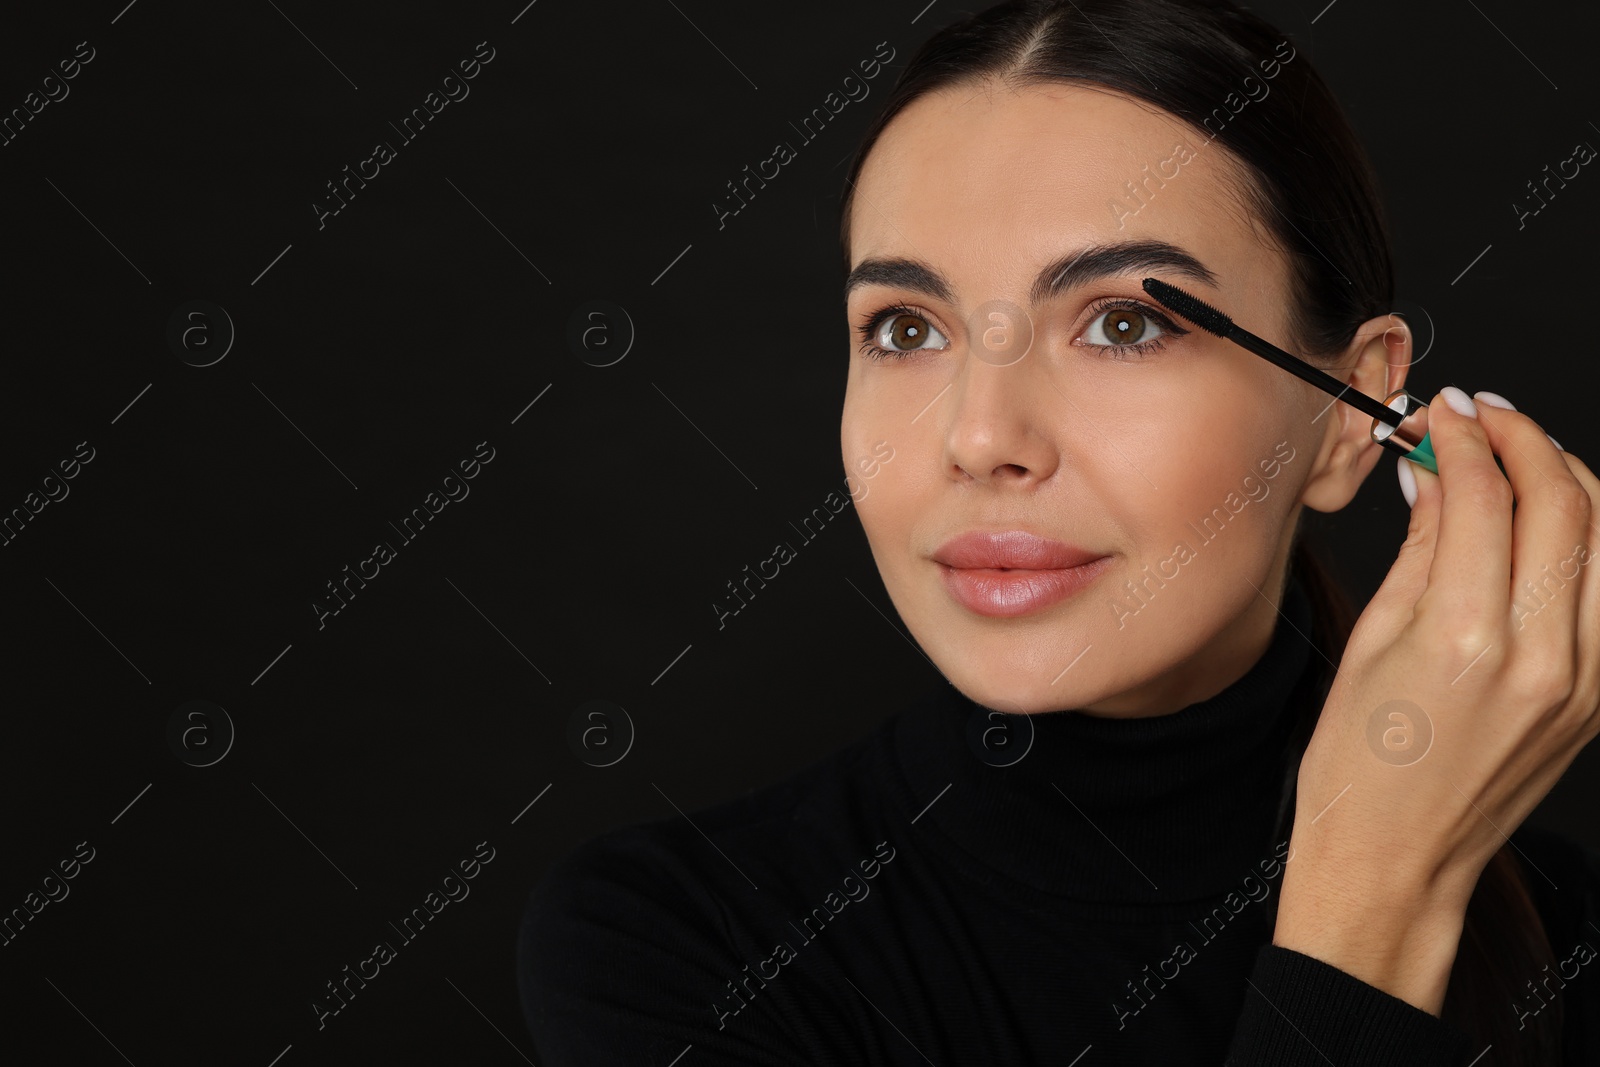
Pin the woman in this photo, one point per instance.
(1149, 820)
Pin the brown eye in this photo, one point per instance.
(1124, 330)
(1123, 326)
(1118, 328)
(907, 331)
(897, 332)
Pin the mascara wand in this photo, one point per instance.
(1398, 424)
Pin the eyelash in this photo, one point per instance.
(1117, 353)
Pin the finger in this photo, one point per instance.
(1396, 598)
(1588, 634)
(1550, 525)
(1469, 585)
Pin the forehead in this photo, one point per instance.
(988, 183)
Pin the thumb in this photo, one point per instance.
(1408, 576)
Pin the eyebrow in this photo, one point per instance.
(1079, 268)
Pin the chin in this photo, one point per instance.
(1024, 690)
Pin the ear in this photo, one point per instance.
(1381, 356)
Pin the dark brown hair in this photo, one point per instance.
(1310, 187)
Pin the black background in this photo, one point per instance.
(374, 353)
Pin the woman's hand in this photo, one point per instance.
(1468, 686)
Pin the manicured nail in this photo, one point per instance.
(1494, 400)
(1459, 402)
(1408, 480)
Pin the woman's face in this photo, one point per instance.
(1180, 466)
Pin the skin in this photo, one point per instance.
(988, 184)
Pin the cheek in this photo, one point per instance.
(862, 414)
(856, 434)
(878, 439)
(881, 500)
(1179, 447)
(895, 504)
(1205, 396)
(1153, 436)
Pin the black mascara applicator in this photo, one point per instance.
(1399, 424)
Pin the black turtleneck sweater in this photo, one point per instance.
(908, 900)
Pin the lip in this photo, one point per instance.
(1010, 550)
(1013, 572)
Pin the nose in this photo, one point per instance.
(999, 420)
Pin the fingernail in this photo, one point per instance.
(1494, 400)
(1408, 480)
(1459, 402)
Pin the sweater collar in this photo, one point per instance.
(1156, 810)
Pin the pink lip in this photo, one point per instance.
(1014, 572)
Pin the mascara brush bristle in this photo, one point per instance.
(1192, 308)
